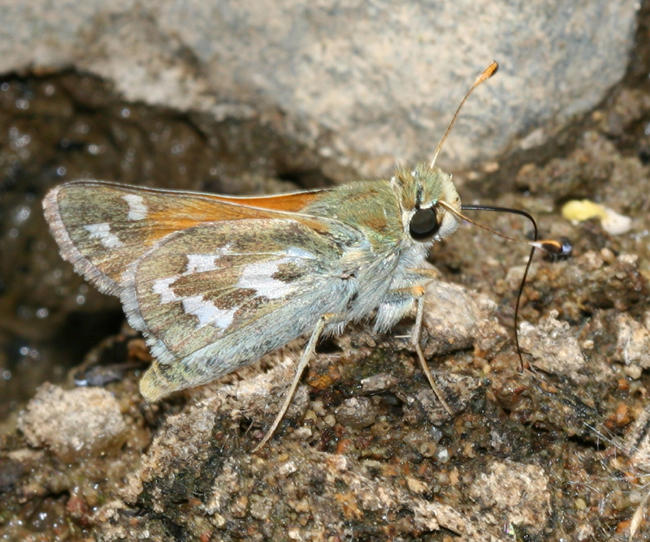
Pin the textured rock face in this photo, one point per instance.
(368, 83)
(73, 423)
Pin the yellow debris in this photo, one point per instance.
(580, 210)
(611, 221)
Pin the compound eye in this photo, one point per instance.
(424, 223)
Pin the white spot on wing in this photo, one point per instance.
(137, 208)
(102, 232)
(162, 288)
(205, 311)
(200, 263)
(259, 277)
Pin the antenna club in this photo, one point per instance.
(555, 247)
(485, 74)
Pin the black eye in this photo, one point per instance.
(424, 223)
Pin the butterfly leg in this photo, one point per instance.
(418, 293)
(304, 359)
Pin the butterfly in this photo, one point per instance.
(215, 282)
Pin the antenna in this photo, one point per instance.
(485, 75)
(560, 249)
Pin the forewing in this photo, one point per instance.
(216, 296)
(101, 228)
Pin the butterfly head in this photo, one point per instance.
(428, 200)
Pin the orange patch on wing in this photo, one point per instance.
(181, 215)
(281, 202)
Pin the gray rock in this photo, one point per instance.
(367, 83)
(455, 316)
(357, 412)
(552, 346)
(73, 423)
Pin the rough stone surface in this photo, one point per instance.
(73, 423)
(357, 412)
(369, 83)
(552, 347)
(458, 318)
(514, 494)
(633, 345)
(307, 483)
